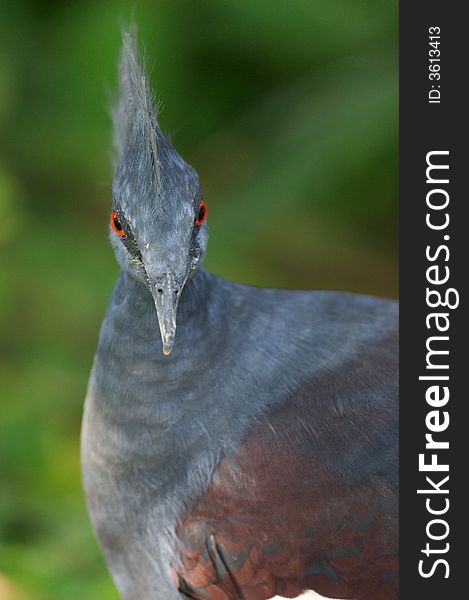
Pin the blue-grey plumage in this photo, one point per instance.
(308, 379)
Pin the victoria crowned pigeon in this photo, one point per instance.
(254, 453)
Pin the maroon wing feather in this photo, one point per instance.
(276, 519)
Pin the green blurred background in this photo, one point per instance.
(288, 110)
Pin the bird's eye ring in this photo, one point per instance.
(117, 225)
(201, 215)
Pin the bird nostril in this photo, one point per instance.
(160, 291)
(176, 292)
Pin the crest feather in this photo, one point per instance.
(134, 114)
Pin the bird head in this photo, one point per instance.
(157, 224)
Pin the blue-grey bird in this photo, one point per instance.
(254, 452)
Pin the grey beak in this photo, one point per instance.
(166, 295)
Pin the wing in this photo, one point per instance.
(309, 498)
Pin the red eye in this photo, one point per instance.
(201, 215)
(117, 225)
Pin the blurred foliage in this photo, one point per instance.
(288, 110)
